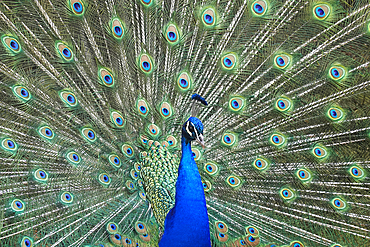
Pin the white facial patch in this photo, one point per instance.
(189, 132)
(187, 128)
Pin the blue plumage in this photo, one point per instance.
(187, 222)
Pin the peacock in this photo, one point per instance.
(184, 123)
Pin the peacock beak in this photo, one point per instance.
(200, 140)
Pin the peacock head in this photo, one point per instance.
(193, 130)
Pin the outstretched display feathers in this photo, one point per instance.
(94, 96)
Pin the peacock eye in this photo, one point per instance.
(145, 64)
(117, 29)
(172, 34)
(112, 227)
(22, 93)
(221, 227)
(26, 242)
(321, 11)
(296, 244)
(66, 198)
(287, 194)
(40, 175)
(339, 203)
(17, 205)
(140, 227)
(259, 7)
(64, 52)
(253, 231)
(209, 17)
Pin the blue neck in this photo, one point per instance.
(187, 222)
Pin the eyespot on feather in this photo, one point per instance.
(117, 119)
(261, 164)
(233, 181)
(209, 17)
(134, 174)
(283, 104)
(153, 130)
(9, 145)
(112, 228)
(26, 242)
(221, 226)
(252, 241)
(127, 242)
(222, 237)
(282, 61)
(64, 52)
(137, 167)
(66, 198)
(172, 34)
(41, 175)
(207, 186)
(140, 183)
(142, 107)
(165, 110)
(277, 140)
(146, 64)
(184, 82)
(335, 113)
(197, 155)
(142, 195)
(77, 7)
(140, 227)
(22, 93)
(115, 161)
(17, 205)
(145, 237)
(127, 150)
(106, 77)
(147, 3)
(116, 238)
(228, 61)
(130, 185)
(229, 139)
(104, 179)
(337, 72)
(357, 172)
(296, 244)
(73, 158)
(338, 203)
(172, 141)
(117, 28)
(240, 242)
(287, 194)
(88, 134)
(211, 168)
(11, 44)
(68, 98)
(259, 8)
(321, 11)
(236, 104)
(304, 175)
(144, 140)
(252, 230)
(46, 132)
(320, 152)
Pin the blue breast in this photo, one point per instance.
(187, 222)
